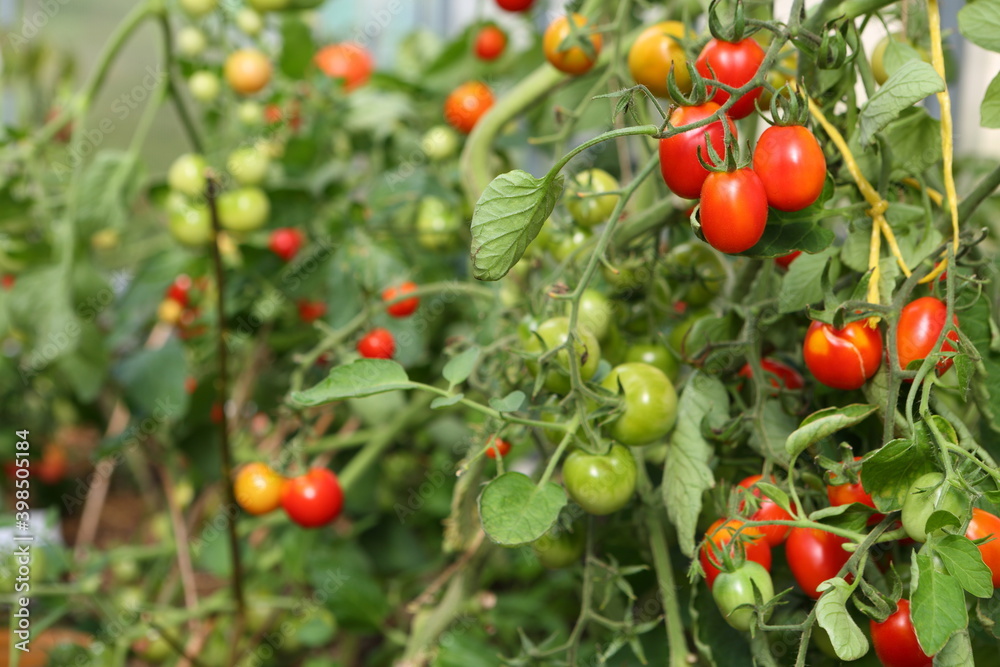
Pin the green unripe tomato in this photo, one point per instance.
(250, 113)
(589, 211)
(248, 166)
(153, 648)
(628, 275)
(697, 273)
(600, 484)
(249, 21)
(189, 224)
(563, 246)
(439, 143)
(559, 548)
(879, 69)
(680, 331)
(437, 224)
(595, 313)
(129, 597)
(204, 86)
(187, 175)
(657, 356)
(191, 41)
(198, 8)
(930, 493)
(125, 570)
(614, 347)
(554, 333)
(650, 403)
(732, 589)
(243, 209)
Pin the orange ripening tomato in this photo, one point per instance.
(247, 71)
(767, 511)
(348, 61)
(751, 544)
(920, 324)
(574, 60)
(467, 104)
(982, 525)
(498, 449)
(791, 165)
(842, 358)
(679, 164)
(653, 52)
(258, 488)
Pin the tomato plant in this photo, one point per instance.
(751, 546)
(767, 510)
(377, 344)
(349, 62)
(286, 242)
(467, 104)
(652, 54)
(920, 324)
(679, 165)
(314, 499)
(600, 484)
(931, 493)
(258, 489)
(650, 403)
(986, 526)
(247, 71)
(734, 589)
(584, 201)
(733, 64)
(791, 166)
(842, 358)
(895, 641)
(733, 210)
(814, 555)
(404, 307)
(490, 43)
(498, 449)
(570, 58)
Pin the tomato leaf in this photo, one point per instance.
(979, 22)
(957, 652)
(832, 615)
(460, 366)
(989, 110)
(912, 82)
(515, 511)
(777, 495)
(155, 377)
(965, 562)
(937, 605)
(939, 519)
(446, 401)
(826, 422)
(988, 614)
(801, 285)
(771, 431)
(686, 473)
(512, 402)
(982, 330)
(780, 238)
(888, 473)
(508, 216)
(853, 516)
(364, 377)
(297, 47)
(915, 138)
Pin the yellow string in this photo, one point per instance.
(932, 194)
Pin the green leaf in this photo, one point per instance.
(988, 614)
(775, 494)
(297, 47)
(773, 428)
(939, 519)
(957, 652)
(515, 511)
(979, 22)
(508, 216)
(914, 81)
(978, 325)
(512, 402)
(888, 473)
(824, 423)
(801, 286)
(897, 54)
(686, 471)
(832, 615)
(915, 138)
(989, 111)
(965, 370)
(460, 367)
(782, 238)
(446, 401)
(937, 605)
(363, 377)
(965, 562)
(153, 380)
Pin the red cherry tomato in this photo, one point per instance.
(310, 311)
(286, 242)
(8, 280)
(679, 164)
(767, 511)
(779, 374)
(190, 384)
(842, 358)
(274, 114)
(52, 468)
(217, 413)
(983, 524)
(814, 556)
(348, 61)
(895, 640)
(786, 260)
(720, 534)
(733, 210)
(791, 165)
(515, 5)
(734, 64)
(920, 324)
(845, 494)
(180, 289)
(499, 447)
(403, 308)
(490, 43)
(313, 499)
(467, 104)
(377, 344)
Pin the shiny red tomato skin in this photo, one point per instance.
(983, 524)
(285, 242)
(845, 494)
(377, 344)
(490, 43)
(467, 104)
(814, 556)
(733, 210)
(791, 165)
(767, 511)
(499, 447)
(313, 499)
(720, 533)
(779, 374)
(895, 640)
(734, 64)
(920, 324)
(403, 308)
(515, 5)
(786, 260)
(679, 164)
(845, 358)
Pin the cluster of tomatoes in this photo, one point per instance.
(181, 305)
(311, 500)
